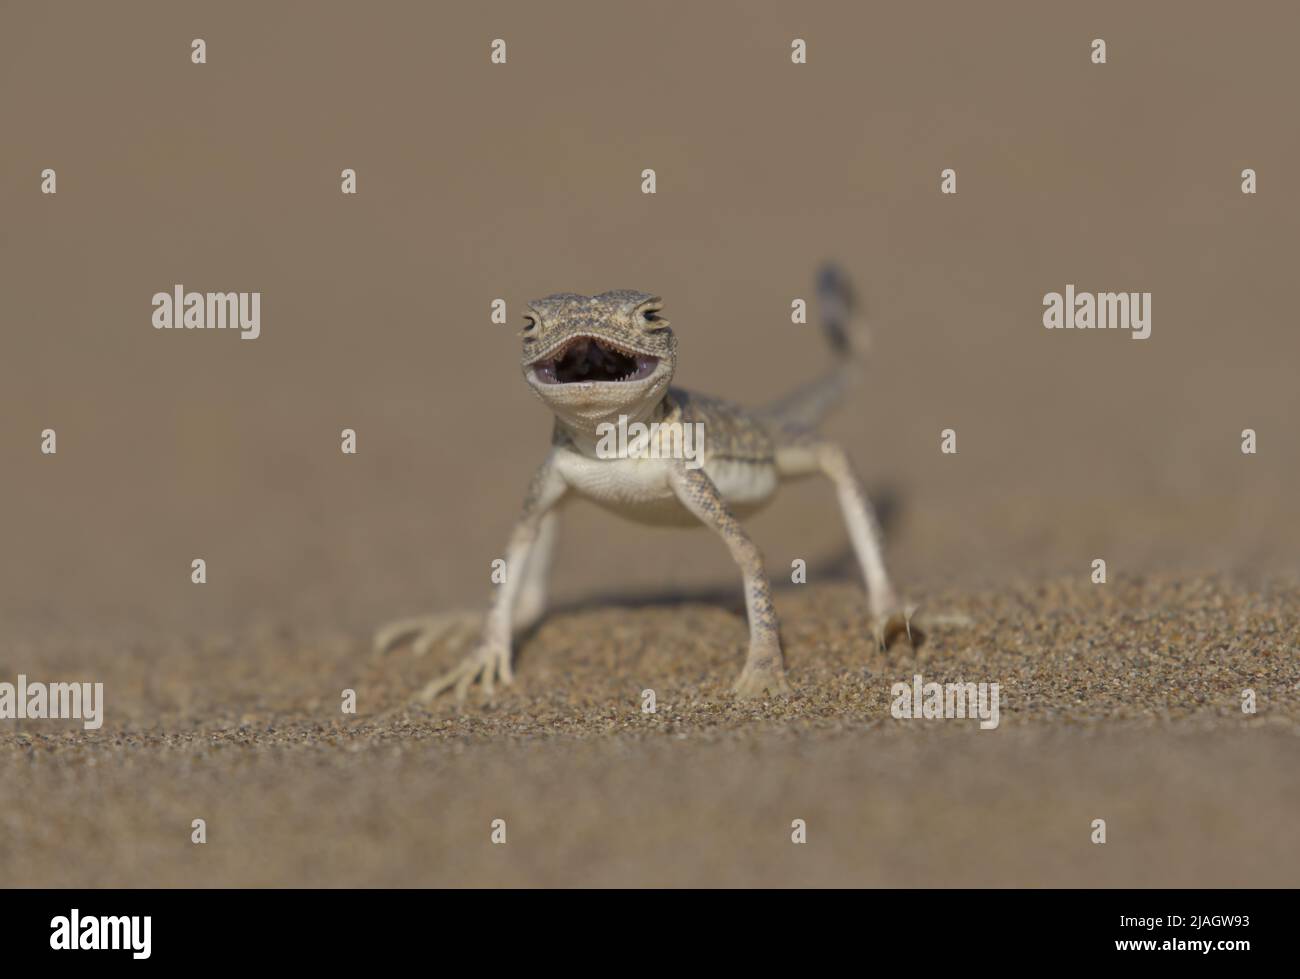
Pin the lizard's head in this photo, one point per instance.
(593, 357)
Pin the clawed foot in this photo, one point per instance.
(486, 665)
(890, 619)
(455, 630)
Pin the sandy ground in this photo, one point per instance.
(1122, 705)
(1119, 701)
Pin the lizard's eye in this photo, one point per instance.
(653, 318)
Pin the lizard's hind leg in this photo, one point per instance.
(827, 458)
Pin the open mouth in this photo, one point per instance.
(587, 359)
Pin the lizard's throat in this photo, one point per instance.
(587, 422)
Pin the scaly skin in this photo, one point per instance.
(576, 351)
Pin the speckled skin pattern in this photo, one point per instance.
(622, 338)
(617, 316)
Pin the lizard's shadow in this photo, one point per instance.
(842, 566)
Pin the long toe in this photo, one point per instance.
(395, 633)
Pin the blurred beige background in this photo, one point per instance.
(479, 181)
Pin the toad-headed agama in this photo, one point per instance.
(599, 362)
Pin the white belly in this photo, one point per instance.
(640, 489)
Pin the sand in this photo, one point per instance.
(1108, 711)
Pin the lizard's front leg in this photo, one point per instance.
(457, 628)
(764, 667)
(491, 660)
(530, 605)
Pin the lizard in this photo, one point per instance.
(598, 361)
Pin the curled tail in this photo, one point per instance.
(804, 407)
